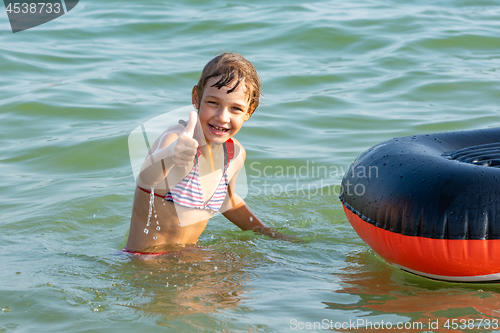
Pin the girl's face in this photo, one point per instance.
(221, 114)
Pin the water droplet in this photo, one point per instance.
(158, 228)
(155, 237)
(251, 219)
(151, 207)
(146, 231)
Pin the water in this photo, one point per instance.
(338, 78)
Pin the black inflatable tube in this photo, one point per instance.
(440, 186)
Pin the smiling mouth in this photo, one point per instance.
(218, 128)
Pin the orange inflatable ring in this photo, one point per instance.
(430, 204)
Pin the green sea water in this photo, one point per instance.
(338, 78)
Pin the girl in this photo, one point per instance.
(191, 169)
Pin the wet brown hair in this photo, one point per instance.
(232, 67)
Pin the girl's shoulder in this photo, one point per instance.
(238, 159)
(235, 150)
(173, 131)
(238, 148)
(167, 137)
(177, 128)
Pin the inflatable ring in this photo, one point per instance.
(430, 204)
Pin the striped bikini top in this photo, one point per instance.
(188, 192)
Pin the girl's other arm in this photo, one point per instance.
(243, 217)
(237, 211)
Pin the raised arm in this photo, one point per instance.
(174, 147)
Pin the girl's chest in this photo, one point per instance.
(210, 173)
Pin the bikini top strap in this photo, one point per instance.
(226, 160)
(229, 149)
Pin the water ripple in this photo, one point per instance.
(338, 77)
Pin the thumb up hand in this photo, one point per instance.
(185, 145)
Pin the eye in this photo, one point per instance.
(212, 102)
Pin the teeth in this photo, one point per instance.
(219, 128)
